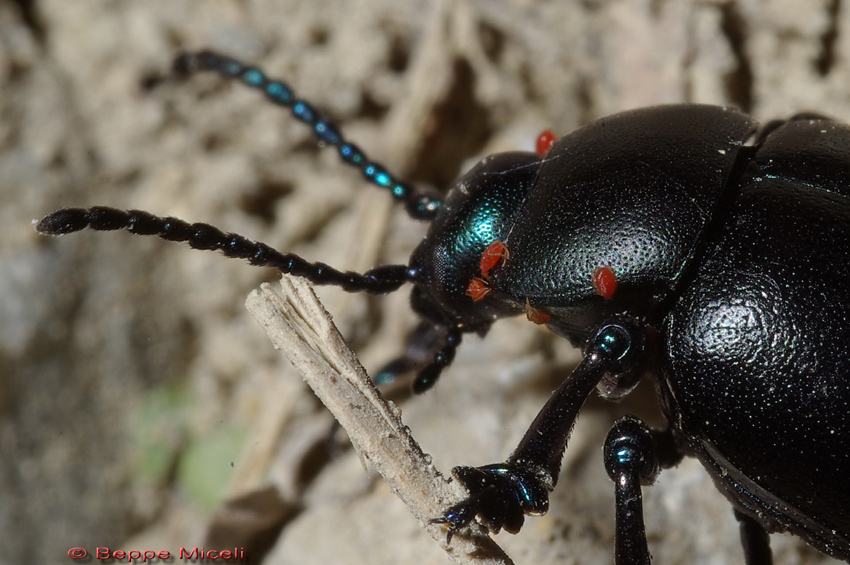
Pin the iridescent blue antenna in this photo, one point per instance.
(419, 204)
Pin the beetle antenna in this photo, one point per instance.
(419, 204)
(380, 280)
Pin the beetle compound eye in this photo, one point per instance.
(545, 141)
(604, 282)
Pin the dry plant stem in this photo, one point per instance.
(299, 325)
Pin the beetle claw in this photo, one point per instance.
(458, 516)
(500, 495)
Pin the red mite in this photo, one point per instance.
(545, 141)
(604, 282)
(539, 317)
(477, 289)
(495, 254)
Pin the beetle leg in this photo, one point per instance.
(503, 493)
(442, 358)
(631, 462)
(419, 349)
(755, 540)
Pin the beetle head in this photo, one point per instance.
(478, 211)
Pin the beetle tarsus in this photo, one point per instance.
(500, 495)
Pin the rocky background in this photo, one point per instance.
(137, 395)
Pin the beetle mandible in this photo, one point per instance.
(659, 241)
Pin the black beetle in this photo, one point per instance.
(660, 242)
